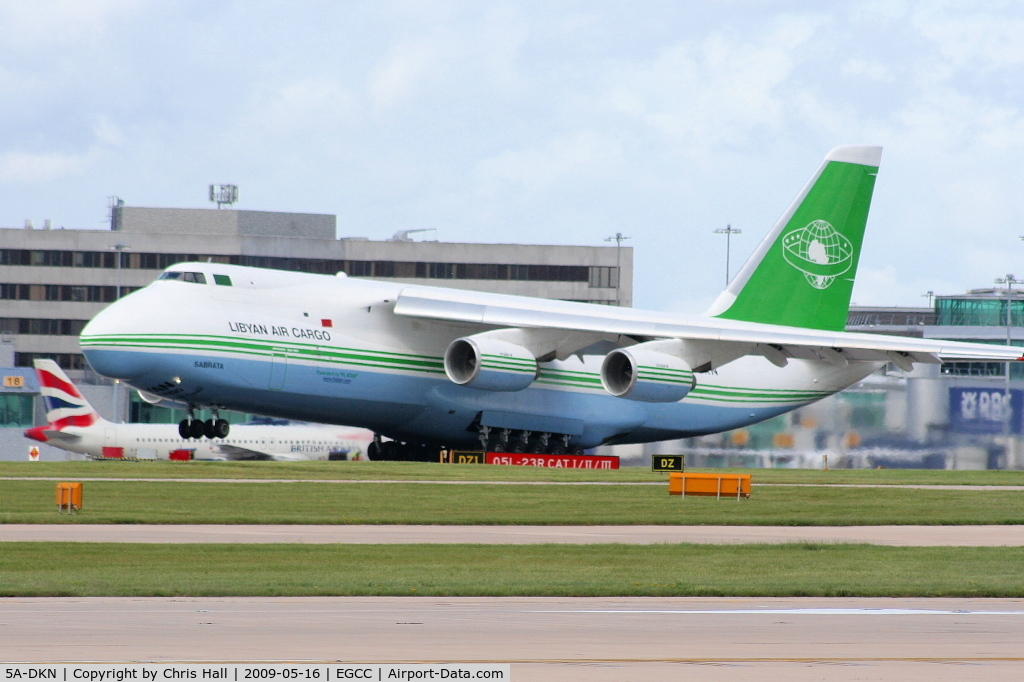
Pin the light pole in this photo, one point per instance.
(117, 249)
(1009, 281)
(618, 239)
(728, 231)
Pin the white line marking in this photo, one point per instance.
(799, 612)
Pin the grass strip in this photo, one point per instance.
(407, 503)
(788, 570)
(452, 472)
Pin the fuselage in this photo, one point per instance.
(331, 350)
(291, 442)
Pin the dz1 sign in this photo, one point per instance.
(984, 410)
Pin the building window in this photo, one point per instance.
(41, 326)
(15, 410)
(65, 360)
(604, 277)
(987, 312)
(140, 411)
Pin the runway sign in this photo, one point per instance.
(462, 457)
(667, 462)
(553, 461)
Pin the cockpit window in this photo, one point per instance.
(197, 277)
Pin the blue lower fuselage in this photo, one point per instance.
(417, 408)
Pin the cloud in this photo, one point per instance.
(973, 38)
(715, 91)
(39, 23)
(561, 159)
(309, 105)
(407, 68)
(870, 70)
(20, 167)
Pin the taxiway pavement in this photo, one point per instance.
(544, 638)
(897, 536)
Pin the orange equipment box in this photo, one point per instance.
(730, 485)
(69, 496)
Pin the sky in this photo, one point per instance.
(541, 122)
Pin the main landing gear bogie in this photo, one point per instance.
(526, 442)
(197, 428)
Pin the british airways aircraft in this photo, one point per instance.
(73, 425)
(430, 367)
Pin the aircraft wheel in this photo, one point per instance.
(196, 429)
(389, 450)
(556, 450)
(221, 428)
(519, 448)
(183, 429)
(577, 451)
(208, 428)
(373, 452)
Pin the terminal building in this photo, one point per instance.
(53, 281)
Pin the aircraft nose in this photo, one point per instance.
(111, 341)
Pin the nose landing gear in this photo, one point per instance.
(191, 427)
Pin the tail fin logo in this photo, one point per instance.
(818, 251)
(65, 406)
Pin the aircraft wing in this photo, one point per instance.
(235, 453)
(715, 340)
(239, 454)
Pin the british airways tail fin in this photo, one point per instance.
(801, 275)
(65, 405)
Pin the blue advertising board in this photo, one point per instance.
(983, 410)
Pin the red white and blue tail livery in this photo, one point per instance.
(65, 405)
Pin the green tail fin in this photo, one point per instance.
(801, 274)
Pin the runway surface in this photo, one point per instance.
(544, 638)
(899, 536)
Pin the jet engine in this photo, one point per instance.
(646, 375)
(489, 364)
(160, 401)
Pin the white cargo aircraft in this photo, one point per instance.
(430, 367)
(75, 426)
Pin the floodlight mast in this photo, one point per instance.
(223, 194)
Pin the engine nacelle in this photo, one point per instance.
(646, 375)
(489, 364)
(160, 401)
